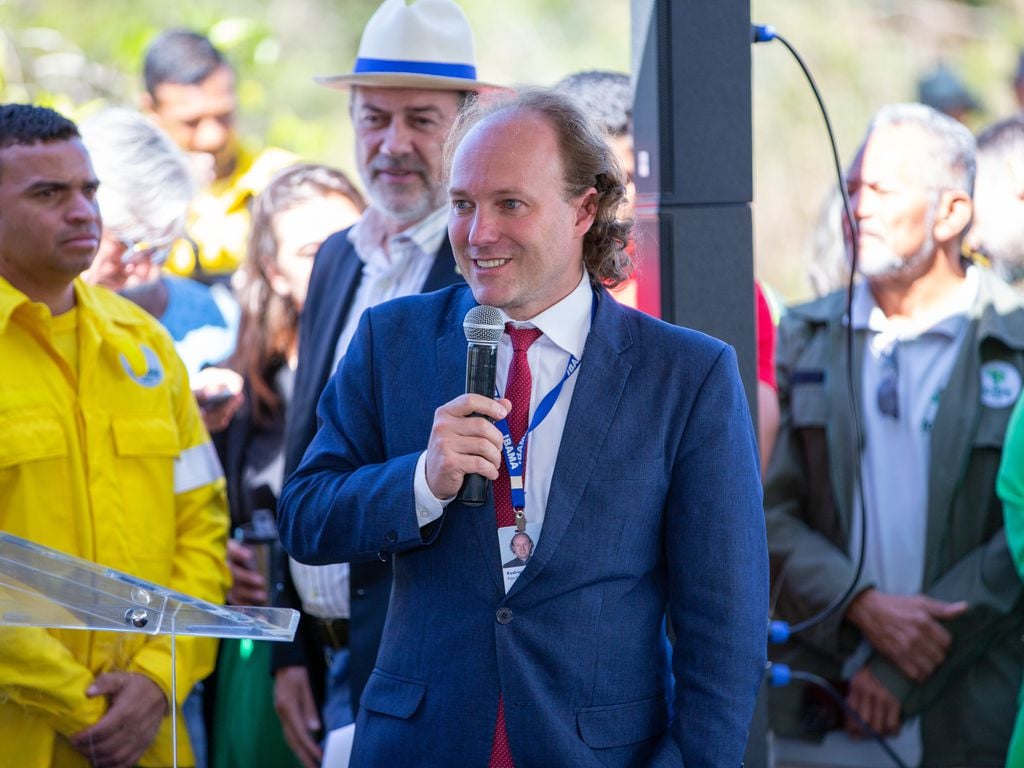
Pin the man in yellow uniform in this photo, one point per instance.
(190, 94)
(103, 455)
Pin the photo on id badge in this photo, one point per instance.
(516, 549)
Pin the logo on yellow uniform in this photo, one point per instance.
(154, 371)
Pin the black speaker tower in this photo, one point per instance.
(692, 136)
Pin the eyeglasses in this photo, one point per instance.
(888, 394)
(156, 250)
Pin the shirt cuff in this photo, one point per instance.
(428, 507)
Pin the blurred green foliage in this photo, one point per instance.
(79, 56)
(863, 54)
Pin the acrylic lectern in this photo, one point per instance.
(41, 587)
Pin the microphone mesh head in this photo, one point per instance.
(483, 325)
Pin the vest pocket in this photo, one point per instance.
(621, 724)
(144, 436)
(387, 694)
(30, 437)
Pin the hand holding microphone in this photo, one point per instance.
(483, 328)
(464, 451)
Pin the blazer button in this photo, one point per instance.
(391, 537)
(504, 615)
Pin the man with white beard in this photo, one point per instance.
(926, 647)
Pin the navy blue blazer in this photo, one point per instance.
(335, 278)
(655, 502)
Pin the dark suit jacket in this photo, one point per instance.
(336, 274)
(648, 508)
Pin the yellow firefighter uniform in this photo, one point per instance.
(103, 455)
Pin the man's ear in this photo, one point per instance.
(586, 211)
(953, 215)
(146, 104)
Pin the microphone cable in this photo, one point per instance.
(820, 682)
(780, 631)
(761, 33)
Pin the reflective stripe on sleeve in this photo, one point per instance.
(196, 467)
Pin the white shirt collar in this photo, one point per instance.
(945, 319)
(567, 322)
(368, 235)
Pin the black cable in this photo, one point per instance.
(765, 33)
(826, 686)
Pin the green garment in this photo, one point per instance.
(246, 729)
(1011, 491)
(967, 704)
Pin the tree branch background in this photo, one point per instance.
(79, 56)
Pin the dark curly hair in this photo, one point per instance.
(29, 124)
(587, 161)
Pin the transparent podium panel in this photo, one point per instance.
(41, 587)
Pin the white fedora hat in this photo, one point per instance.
(428, 44)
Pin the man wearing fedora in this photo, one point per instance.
(415, 69)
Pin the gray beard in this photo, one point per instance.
(405, 210)
(409, 211)
(892, 265)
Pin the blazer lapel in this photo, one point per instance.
(603, 373)
(349, 273)
(443, 272)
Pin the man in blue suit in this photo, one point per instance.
(641, 487)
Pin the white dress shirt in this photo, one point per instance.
(392, 266)
(565, 326)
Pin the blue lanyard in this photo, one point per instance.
(514, 454)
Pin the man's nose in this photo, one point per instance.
(211, 136)
(83, 208)
(856, 200)
(397, 139)
(482, 231)
(860, 200)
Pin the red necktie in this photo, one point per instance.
(517, 389)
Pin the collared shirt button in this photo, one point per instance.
(504, 615)
(391, 537)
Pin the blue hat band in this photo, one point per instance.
(395, 67)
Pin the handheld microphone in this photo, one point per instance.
(483, 328)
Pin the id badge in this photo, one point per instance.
(515, 548)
